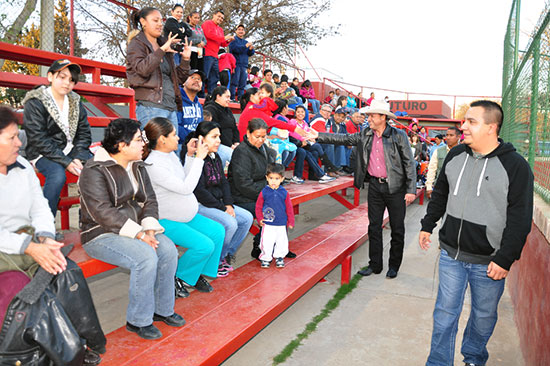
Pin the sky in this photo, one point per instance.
(434, 46)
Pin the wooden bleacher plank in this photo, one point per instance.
(242, 287)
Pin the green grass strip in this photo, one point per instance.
(332, 304)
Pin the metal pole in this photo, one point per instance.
(72, 29)
(46, 29)
(534, 103)
(516, 34)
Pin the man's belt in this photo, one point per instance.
(380, 180)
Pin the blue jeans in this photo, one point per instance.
(236, 227)
(211, 69)
(454, 277)
(145, 114)
(341, 155)
(238, 82)
(55, 177)
(301, 155)
(287, 157)
(203, 239)
(329, 150)
(225, 153)
(151, 273)
(315, 105)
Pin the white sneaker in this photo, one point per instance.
(326, 178)
(297, 180)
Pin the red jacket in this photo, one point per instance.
(227, 61)
(257, 111)
(351, 127)
(214, 38)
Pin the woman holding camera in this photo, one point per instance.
(151, 70)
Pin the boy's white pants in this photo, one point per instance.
(274, 243)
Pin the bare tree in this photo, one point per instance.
(272, 25)
(11, 32)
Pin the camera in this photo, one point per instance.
(178, 47)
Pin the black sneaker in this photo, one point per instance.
(148, 332)
(290, 254)
(202, 285)
(174, 320)
(179, 285)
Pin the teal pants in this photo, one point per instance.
(203, 239)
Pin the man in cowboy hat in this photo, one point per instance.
(385, 161)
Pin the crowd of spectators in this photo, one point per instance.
(187, 175)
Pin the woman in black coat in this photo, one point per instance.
(218, 106)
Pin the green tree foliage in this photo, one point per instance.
(30, 37)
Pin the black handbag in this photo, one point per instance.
(45, 321)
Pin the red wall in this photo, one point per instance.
(422, 107)
(529, 286)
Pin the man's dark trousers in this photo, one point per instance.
(378, 199)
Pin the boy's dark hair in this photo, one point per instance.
(268, 70)
(439, 136)
(493, 112)
(240, 26)
(119, 130)
(284, 77)
(275, 168)
(275, 76)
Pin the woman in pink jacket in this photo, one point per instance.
(307, 92)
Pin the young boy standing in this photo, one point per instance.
(274, 212)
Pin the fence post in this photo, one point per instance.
(534, 102)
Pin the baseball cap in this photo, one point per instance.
(340, 110)
(59, 65)
(195, 71)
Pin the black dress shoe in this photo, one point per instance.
(202, 285)
(91, 358)
(179, 285)
(148, 332)
(392, 273)
(290, 254)
(367, 271)
(174, 320)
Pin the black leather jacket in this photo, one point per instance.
(109, 204)
(42, 125)
(400, 165)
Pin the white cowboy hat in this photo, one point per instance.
(378, 107)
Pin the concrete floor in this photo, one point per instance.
(382, 322)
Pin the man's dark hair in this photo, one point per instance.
(240, 26)
(439, 136)
(493, 112)
(219, 11)
(268, 70)
(455, 129)
(275, 168)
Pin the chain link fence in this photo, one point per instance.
(526, 96)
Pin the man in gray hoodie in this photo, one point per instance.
(485, 191)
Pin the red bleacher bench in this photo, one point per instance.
(242, 304)
(65, 201)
